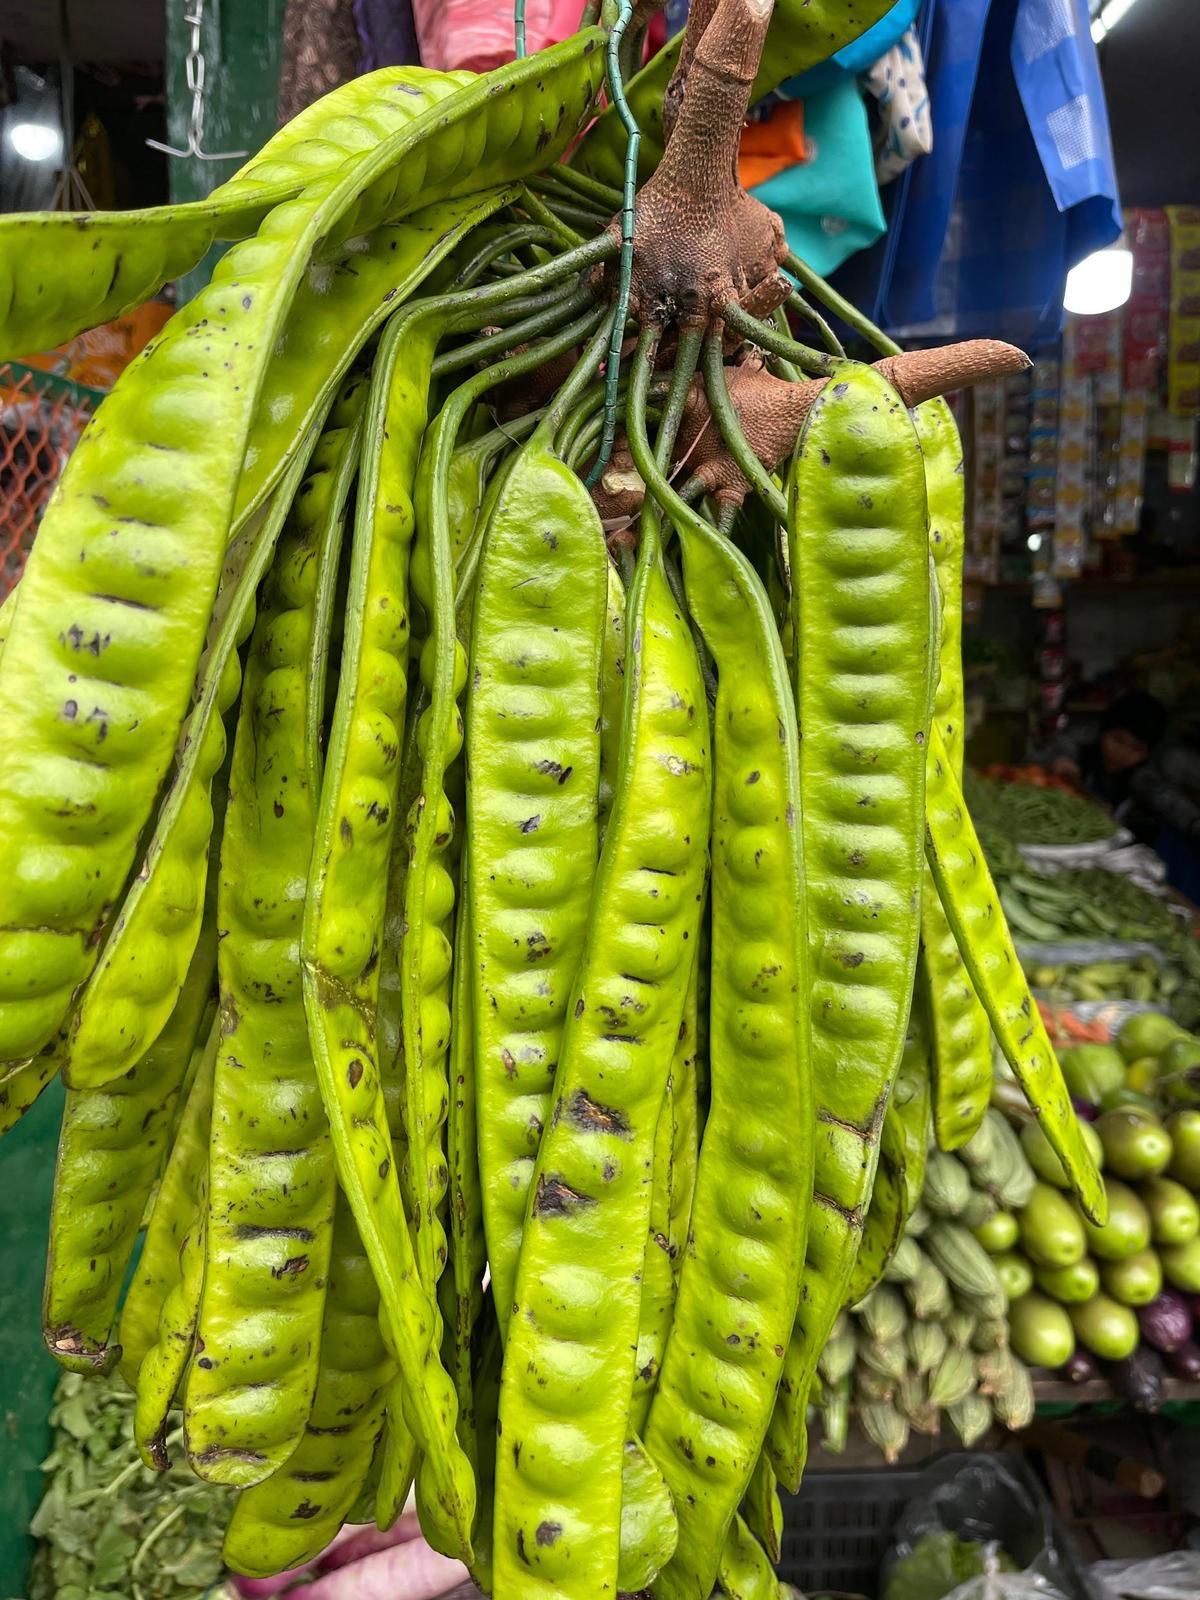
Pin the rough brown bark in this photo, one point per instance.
(699, 239)
(699, 16)
(772, 412)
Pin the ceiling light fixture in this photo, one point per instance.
(1101, 282)
(36, 141)
(1110, 14)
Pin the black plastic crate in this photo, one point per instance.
(836, 1530)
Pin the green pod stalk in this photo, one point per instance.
(861, 622)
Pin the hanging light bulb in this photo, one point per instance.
(1100, 282)
(1108, 17)
(36, 141)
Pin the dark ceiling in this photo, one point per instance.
(101, 30)
(1150, 61)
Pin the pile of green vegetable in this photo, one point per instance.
(1123, 1294)
(1030, 814)
(929, 1346)
(453, 954)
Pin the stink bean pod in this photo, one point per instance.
(568, 1370)
(109, 1153)
(969, 899)
(98, 666)
(271, 1171)
(746, 1572)
(143, 966)
(961, 1056)
(289, 1518)
(736, 1300)
(343, 921)
(22, 1086)
(762, 1509)
(861, 612)
(158, 1320)
(61, 272)
(533, 759)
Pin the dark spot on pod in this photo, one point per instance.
(354, 1073)
(610, 1172)
(548, 1532)
(579, 1007)
(206, 1362)
(531, 824)
(554, 1197)
(592, 1117)
(347, 832)
(826, 458)
(852, 958)
(305, 1510)
(510, 1066)
(521, 1545)
(754, 777)
(685, 1446)
(70, 710)
(710, 1461)
(277, 808)
(291, 1268)
(385, 1166)
(732, 1338)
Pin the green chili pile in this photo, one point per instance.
(477, 916)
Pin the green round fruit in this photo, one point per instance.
(1181, 1263)
(1147, 1033)
(1040, 1331)
(1129, 1099)
(1069, 1285)
(1128, 1227)
(1051, 1231)
(1015, 1274)
(1141, 1076)
(998, 1233)
(1135, 1280)
(1179, 1068)
(1105, 1327)
(1174, 1214)
(1184, 1128)
(1092, 1070)
(1043, 1159)
(1136, 1145)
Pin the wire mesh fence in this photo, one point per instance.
(41, 417)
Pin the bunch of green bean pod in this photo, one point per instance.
(466, 835)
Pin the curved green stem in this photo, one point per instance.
(779, 344)
(810, 314)
(523, 233)
(541, 212)
(687, 357)
(603, 195)
(561, 309)
(642, 368)
(839, 305)
(581, 374)
(628, 200)
(780, 364)
(519, 27)
(748, 464)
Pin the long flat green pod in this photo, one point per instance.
(803, 33)
(973, 911)
(97, 669)
(862, 627)
(960, 1036)
(62, 271)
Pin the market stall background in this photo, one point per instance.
(1152, 107)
